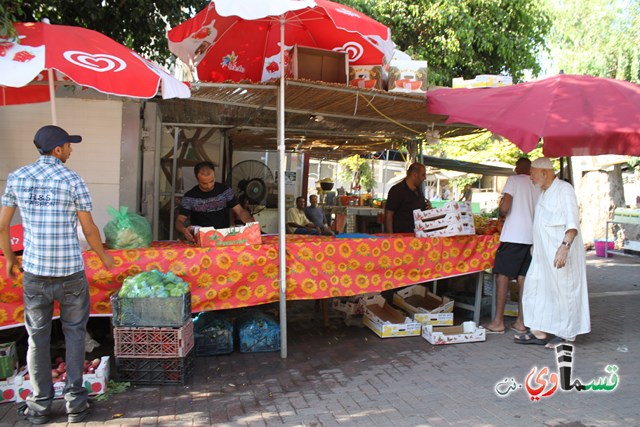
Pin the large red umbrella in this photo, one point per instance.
(240, 40)
(84, 56)
(246, 40)
(574, 115)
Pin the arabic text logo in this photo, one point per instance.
(354, 50)
(543, 382)
(99, 62)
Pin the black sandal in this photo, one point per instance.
(27, 414)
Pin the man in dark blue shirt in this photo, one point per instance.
(403, 199)
(208, 204)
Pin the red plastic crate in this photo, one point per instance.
(153, 342)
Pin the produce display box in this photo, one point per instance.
(351, 306)
(424, 306)
(459, 229)
(248, 234)
(8, 391)
(164, 370)
(466, 332)
(153, 342)
(8, 359)
(386, 321)
(452, 219)
(258, 332)
(213, 334)
(408, 76)
(367, 76)
(159, 312)
(447, 208)
(95, 383)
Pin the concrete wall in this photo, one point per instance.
(97, 159)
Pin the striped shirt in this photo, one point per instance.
(49, 195)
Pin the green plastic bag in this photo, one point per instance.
(127, 230)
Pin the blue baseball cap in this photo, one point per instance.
(49, 137)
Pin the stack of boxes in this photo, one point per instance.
(153, 339)
(453, 219)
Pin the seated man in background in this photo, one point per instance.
(316, 216)
(297, 221)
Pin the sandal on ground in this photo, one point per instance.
(553, 342)
(530, 338)
(28, 414)
(78, 417)
(489, 330)
(520, 331)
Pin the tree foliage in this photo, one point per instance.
(357, 171)
(479, 148)
(599, 38)
(465, 38)
(138, 24)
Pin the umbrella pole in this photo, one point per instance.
(52, 97)
(282, 256)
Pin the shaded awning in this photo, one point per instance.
(324, 119)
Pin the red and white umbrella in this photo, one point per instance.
(83, 56)
(240, 40)
(247, 40)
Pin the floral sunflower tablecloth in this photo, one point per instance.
(240, 276)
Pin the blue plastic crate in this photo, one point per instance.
(258, 332)
(213, 334)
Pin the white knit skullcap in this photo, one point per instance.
(542, 163)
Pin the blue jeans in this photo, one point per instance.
(308, 231)
(72, 294)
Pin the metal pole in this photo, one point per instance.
(282, 255)
(174, 172)
(52, 96)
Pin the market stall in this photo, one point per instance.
(240, 276)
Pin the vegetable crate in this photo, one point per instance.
(160, 312)
(213, 334)
(164, 370)
(258, 332)
(153, 342)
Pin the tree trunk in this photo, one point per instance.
(599, 194)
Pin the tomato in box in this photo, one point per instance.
(248, 234)
(95, 382)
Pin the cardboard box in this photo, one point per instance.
(386, 321)
(8, 391)
(367, 76)
(461, 229)
(447, 208)
(351, 306)
(482, 80)
(248, 234)
(424, 306)
(319, 65)
(408, 76)
(466, 332)
(452, 219)
(95, 383)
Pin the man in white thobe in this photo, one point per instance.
(555, 300)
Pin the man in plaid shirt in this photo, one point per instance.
(52, 199)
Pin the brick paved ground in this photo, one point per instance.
(347, 376)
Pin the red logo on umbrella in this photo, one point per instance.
(97, 62)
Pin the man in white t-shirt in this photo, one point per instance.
(519, 198)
